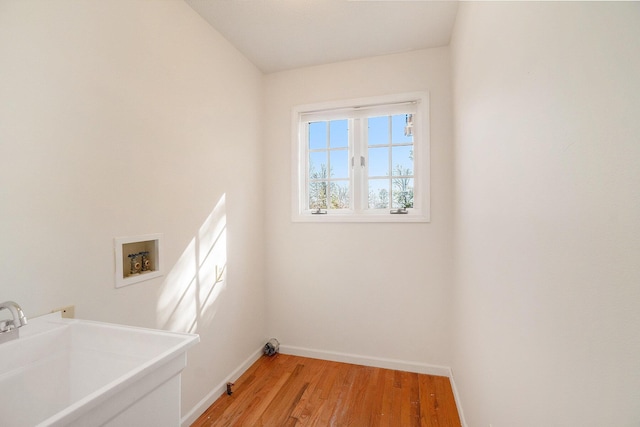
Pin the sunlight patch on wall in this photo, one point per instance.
(187, 299)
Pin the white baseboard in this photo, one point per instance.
(456, 396)
(217, 391)
(401, 365)
(376, 362)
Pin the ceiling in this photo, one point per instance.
(278, 35)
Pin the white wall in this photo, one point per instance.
(547, 230)
(374, 290)
(127, 117)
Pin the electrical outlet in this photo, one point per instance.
(68, 312)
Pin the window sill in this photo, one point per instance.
(350, 217)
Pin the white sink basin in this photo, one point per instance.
(70, 372)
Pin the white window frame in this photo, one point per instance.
(358, 108)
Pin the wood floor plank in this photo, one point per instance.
(396, 397)
(405, 407)
(260, 402)
(345, 391)
(328, 380)
(283, 403)
(310, 399)
(358, 413)
(387, 398)
(414, 400)
(448, 409)
(378, 397)
(428, 402)
(285, 390)
(334, 394)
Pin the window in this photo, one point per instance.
(362, 160)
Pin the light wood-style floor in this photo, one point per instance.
(285, 390)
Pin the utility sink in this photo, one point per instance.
(71, 372)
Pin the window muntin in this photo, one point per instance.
(329, 172)
(390, 162)
(362, 160)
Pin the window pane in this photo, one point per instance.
(378, 130)
(339, 133)
(379, 161)
(339, 194)
(318, 194)
(317, 135)
(339, 164)
(318, 165)
(402, 193)
(402, 160)
(398, 124)
(378, 193)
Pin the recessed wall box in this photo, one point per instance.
(138, 258)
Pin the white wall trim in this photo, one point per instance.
(377, 362)
(217, 391)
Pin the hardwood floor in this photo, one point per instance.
(285, 390)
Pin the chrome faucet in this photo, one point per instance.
(9, 328)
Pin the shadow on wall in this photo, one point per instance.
(187, 297)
